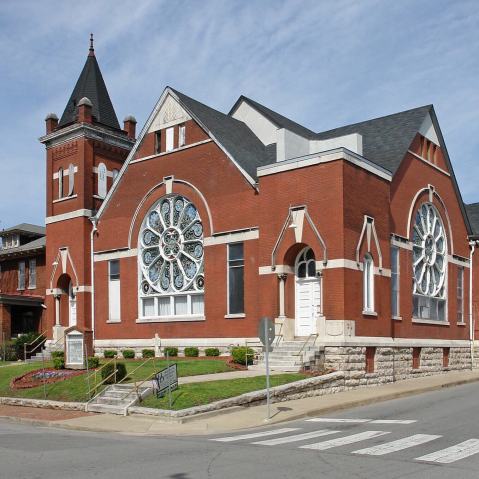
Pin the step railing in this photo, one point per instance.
(302, 350)
(93, 389)
(41, 343)
(136, 386)
(251, 345)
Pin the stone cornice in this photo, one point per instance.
(85, 130)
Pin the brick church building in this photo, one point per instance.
(355, 239)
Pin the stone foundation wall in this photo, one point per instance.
(393, 363)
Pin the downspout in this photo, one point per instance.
(472, 244)
(92, 272)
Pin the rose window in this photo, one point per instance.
(171, 255)
(429, 252)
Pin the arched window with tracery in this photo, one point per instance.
(306, 264)
(429, 264)
(171, 261)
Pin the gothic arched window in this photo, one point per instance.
(429, 264)
(368, 283)
(170, 257)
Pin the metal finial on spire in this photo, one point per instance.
(92, 50)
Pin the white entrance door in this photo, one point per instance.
(308, 294)
(308, 298)
(72, 306)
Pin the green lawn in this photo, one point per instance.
(75, 389)
(196, 394)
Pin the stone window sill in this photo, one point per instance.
(462, 324)
(430, 321)
(235, 316)
(396, 318)
(65, 198)
(170, 319)
(370, 313)
(113, 321)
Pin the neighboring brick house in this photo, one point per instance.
(208, 221)
(22, 280)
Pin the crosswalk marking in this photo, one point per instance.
(342, 441)
(454, 453)
(359, 421)
(297, 437)
(330, 419)
(393, 421)
(398, 445)
(256, 434)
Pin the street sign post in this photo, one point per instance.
(266, 334)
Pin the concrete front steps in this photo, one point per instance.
(289, 356)
(117, 398)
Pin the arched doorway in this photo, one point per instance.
(307, 293)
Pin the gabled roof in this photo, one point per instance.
(279, 120)
(35, 245)
(238, 140)
(26, 229)
(90, 84)
(472, 211)
(385, 139)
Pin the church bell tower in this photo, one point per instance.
(85, 150)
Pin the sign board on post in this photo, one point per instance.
(266, 334)
(166, 380)
(74, 350)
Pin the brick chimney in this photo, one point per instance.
(85, 110)
(129, 125)
(51, 122)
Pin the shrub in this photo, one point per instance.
(212, 352)
(192, 352)
(128, 354)
(25, 339)
(93, 362)
(110, 353)
(242, 355)
(147, 353)
(58, 354)
(108, 371)
(172, 351)
(59, 363)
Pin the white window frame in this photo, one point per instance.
(368, 284)
(114, 292)
(188, 316)
(102, 180)
(21, 275)
(460, 295)
(396, 272)
(181, 136)
(32, 273)
(60, 183)
(228, 267)
(71, 179)
(170, 139)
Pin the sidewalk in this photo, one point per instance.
(242, 418)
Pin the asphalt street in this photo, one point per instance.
(432, 435)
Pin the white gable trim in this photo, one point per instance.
(142, 134)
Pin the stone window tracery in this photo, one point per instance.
(429, 264)
(171, 258)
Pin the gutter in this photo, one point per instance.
(472, 244)
(92, 273)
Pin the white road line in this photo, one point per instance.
(359, 421)
(398, 445)
(342, 441)
(256, 434)
(393, 421)
(454, 453)
(297, 437)
(329, 419)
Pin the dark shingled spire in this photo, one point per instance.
(90, 84)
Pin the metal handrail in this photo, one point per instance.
(100, 383)
(246, 342)
(306, 342)
(134, 383)
(33, 342)
(94, 375)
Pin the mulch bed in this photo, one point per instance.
(39, 377)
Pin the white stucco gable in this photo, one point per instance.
(170, 113)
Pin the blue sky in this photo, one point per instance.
(321, 63)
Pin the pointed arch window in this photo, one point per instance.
(368, 284)
(102, 180)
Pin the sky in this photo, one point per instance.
(321, 63)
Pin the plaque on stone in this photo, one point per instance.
(74, 349)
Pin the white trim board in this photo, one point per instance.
(232, 237)
(109, 255)
(393, 342)
(69, 216)
(325, 157)
(179, 342)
